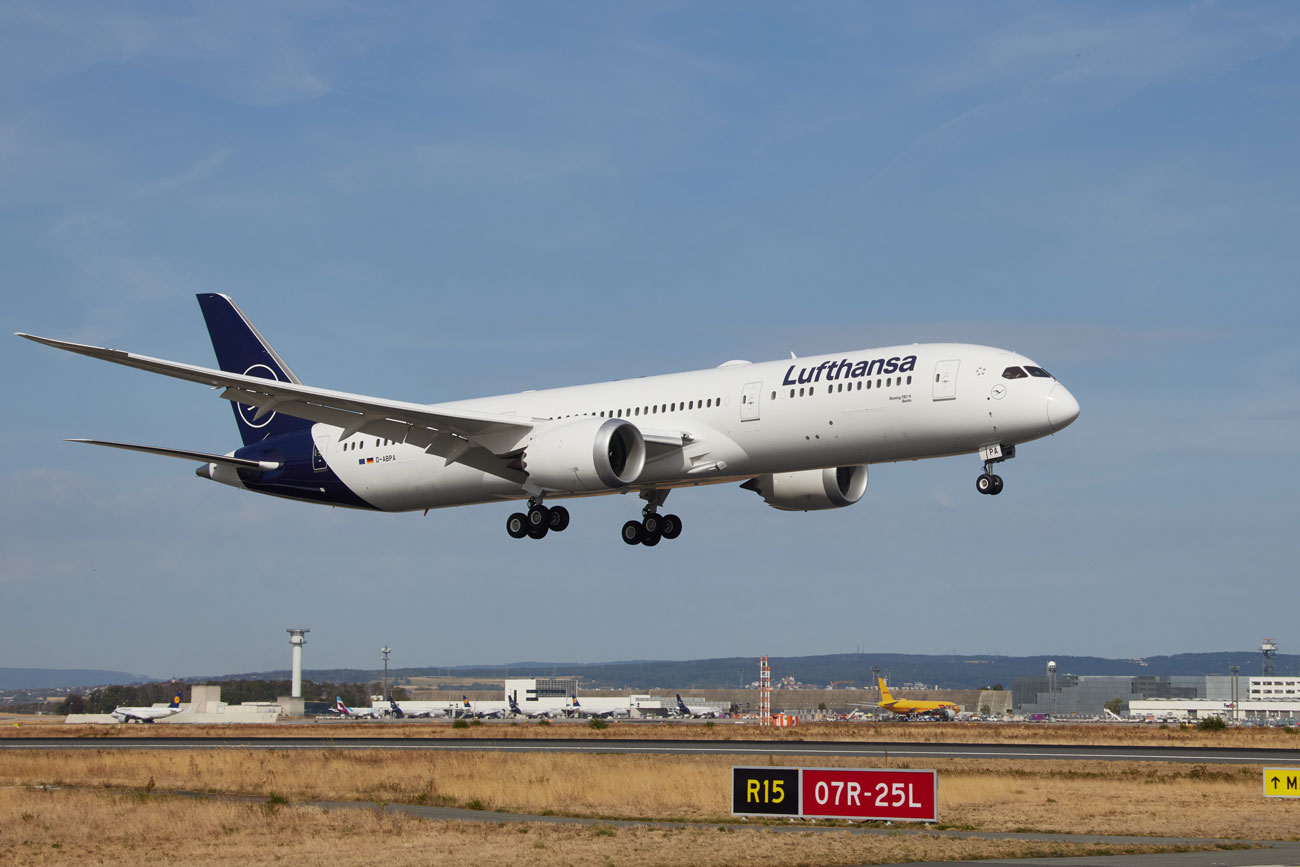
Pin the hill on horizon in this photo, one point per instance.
(948, 671)
(63, 678)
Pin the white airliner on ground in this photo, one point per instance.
(148, 714)
(343, 710)
(798, 432)
(696, 712)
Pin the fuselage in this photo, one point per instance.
(735, 422)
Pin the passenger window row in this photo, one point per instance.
(356, 444)
(837, 387)
(652, 409)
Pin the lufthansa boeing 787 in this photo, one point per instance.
(800, 432)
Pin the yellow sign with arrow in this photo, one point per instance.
(1282, 782)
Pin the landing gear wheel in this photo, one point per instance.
(538, 516)
(633, 533)
(670, 526)
(559, 519)
(984, 484)
(997, 486)
(652, 524)
(517, 525)
(538, 532)
(652, 539)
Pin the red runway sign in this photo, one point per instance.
(846, 793)
(836, 793)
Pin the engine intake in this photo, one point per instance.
(588, 454)
(811, 490)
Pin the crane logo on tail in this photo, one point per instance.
(247, 412)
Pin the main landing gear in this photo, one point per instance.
(988, 483)
(652, 527)
(540, 520)
(537, 521)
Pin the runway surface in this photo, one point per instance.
(800, 749)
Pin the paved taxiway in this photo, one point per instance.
(800, 749)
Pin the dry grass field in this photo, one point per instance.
(95, 806)
(78, 827)
(106, 806)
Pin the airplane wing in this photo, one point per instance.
(476, 439)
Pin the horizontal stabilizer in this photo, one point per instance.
(243, 463)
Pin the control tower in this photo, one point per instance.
(1269, 648)
(296, 640)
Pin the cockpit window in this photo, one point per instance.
(1038, 371)
(1013, 373)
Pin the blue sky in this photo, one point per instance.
(437, 201)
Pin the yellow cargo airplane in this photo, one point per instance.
(907, 707)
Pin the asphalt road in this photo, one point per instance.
(800, 749)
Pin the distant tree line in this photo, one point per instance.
(106, 698)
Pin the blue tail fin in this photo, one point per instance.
(176, 700)
(241, 348)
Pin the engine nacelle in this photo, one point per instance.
(811, 490)
(589, 454)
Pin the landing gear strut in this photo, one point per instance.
(537, 521)
(653, 526)
(988, 482)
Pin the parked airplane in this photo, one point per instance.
(147, 714)
(575, 708)
(478, 710)
(800, 433)
(908, 707)
(353, 712)
(697, 712)
(400, 712)
(534, 712)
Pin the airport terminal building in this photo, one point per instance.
(1191, 697)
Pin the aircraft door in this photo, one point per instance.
(749, 401)
(945, 379)
(320, 442)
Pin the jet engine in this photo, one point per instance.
(811, 490)
(589, 454)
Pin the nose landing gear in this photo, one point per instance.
(988, 482)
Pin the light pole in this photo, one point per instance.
(1236, 697)
(385, 651)
(1051, 687)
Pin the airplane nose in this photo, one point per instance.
(1062, 408)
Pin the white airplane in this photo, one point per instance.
(479, 709)
(799, 432)
(354, 712)
(516, 710)
(575, 708)
(398, 712)
(697, 712)
(147, 714)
